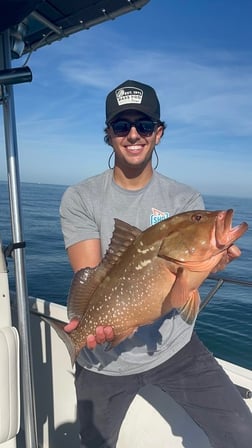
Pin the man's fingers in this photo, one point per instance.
(91, 342)
(233, 252)
(102, 334)
(72, 325)
(109, 333)
(229, 255)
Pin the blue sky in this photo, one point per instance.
(197, 55)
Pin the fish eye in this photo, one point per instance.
(197, 217)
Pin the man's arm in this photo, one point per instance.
(81, 255)
(84, 254)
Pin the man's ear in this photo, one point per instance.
(159, 134)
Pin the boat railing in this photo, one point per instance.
(220, 280)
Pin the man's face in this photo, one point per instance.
(133, 149)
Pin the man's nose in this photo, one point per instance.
(133, 134)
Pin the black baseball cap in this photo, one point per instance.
(132, 95)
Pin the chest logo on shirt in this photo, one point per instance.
(157, 216)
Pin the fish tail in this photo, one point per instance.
(58, 326)
(190, 310)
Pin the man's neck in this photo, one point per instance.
(132, 179)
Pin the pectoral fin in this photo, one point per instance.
(190, 310)
(179, 292)
(180, 297)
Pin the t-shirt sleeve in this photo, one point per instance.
(194, 202)
(77, 220)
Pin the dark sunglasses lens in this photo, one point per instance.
(143, 127)
(121, 127)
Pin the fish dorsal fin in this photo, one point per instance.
(123, 236)
(86, 281)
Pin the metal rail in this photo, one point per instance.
(230, 280)
(19, 258)
(220, 281)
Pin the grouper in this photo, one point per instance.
(146, 274)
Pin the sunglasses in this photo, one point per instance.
(145, 128)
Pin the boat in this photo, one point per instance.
(37, 395)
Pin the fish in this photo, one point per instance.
(146, 274)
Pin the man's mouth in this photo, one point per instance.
(134, 148)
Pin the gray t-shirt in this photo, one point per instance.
(87, 211)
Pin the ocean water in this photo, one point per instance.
(225, 325)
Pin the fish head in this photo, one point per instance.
(200, 235)
(225, 234)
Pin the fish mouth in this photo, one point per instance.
(225, 234)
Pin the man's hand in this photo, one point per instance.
(229, 255)
(72, 325)
(102, 334)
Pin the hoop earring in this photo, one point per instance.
(109, 161)
(157, 161)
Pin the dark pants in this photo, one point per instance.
(192, 378)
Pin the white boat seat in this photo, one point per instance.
(9, 384)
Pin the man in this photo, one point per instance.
(167, 354)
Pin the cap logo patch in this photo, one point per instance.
(129, 95)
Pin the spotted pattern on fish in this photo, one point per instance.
(146, 274)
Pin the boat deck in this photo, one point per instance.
(153, 419)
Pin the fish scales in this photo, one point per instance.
(144, 275)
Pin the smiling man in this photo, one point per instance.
(166, 353)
